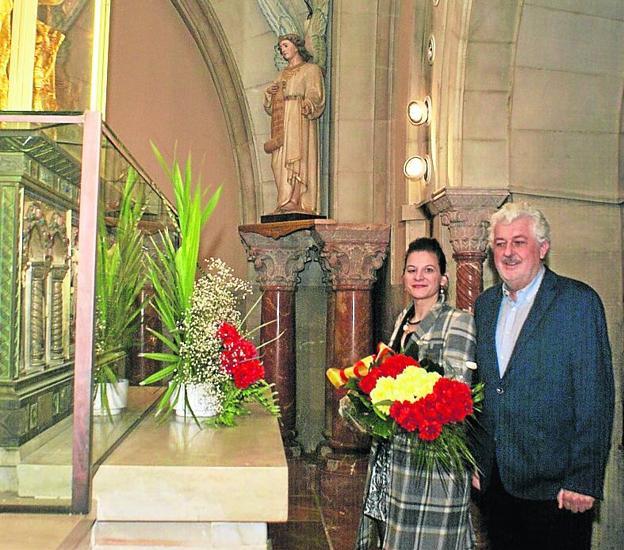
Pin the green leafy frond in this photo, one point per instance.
(173, 269)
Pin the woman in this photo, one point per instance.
(295, 101)
(403, 507)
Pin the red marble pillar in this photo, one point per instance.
(278, 304)
(466, 212)
(279, 252)
(350, 255)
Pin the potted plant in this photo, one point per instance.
(208, 361)
(119, 280)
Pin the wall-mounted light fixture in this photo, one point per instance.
(418, 168)
(419, 112)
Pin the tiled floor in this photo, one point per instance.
(305, 529)
(310, 526)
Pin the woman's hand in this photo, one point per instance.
(273, 88)
(476, 481)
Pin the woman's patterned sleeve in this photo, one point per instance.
(459, 346)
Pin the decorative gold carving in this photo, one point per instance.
(47, 44)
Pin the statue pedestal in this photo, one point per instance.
(290, 217)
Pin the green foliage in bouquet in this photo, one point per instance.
(172, 274)
(400, 395)
(119, 281)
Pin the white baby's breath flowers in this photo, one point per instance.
(215, 297)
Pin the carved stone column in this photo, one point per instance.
(56, 279)
(466, 213)
(279, 252)
(351, 256)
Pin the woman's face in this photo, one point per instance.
(422, 278)
(287, 49)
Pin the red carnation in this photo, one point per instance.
(456, 399)
(228, 334)
(430, 431)
(237, 351)
(247, 373)
(391, 367)
(406, 415)
(396, 364)
(368, 383)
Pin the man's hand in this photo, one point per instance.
(575, 502)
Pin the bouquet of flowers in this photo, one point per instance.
(204, 345)
(215, 354)
(390, 393)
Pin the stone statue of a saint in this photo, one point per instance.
(295, 101)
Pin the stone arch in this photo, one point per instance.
(204, 27)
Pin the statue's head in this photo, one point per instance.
(298, 42)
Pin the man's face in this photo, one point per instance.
(517, 254)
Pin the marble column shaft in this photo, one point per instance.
(279, 253)
(350, 255)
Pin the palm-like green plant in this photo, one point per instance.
(172, 274)
(119, 281)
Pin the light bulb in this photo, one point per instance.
(417, 168)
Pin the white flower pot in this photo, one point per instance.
(201, 400)
(116, 394)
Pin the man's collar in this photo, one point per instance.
(528, 291)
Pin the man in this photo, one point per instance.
(544, 355)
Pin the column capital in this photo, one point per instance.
(466, 212)
(278, 260)
(351, 254)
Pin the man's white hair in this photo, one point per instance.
(511, 211)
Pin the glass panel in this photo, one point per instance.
(41, 174)
(131, 215)
(39, 186)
